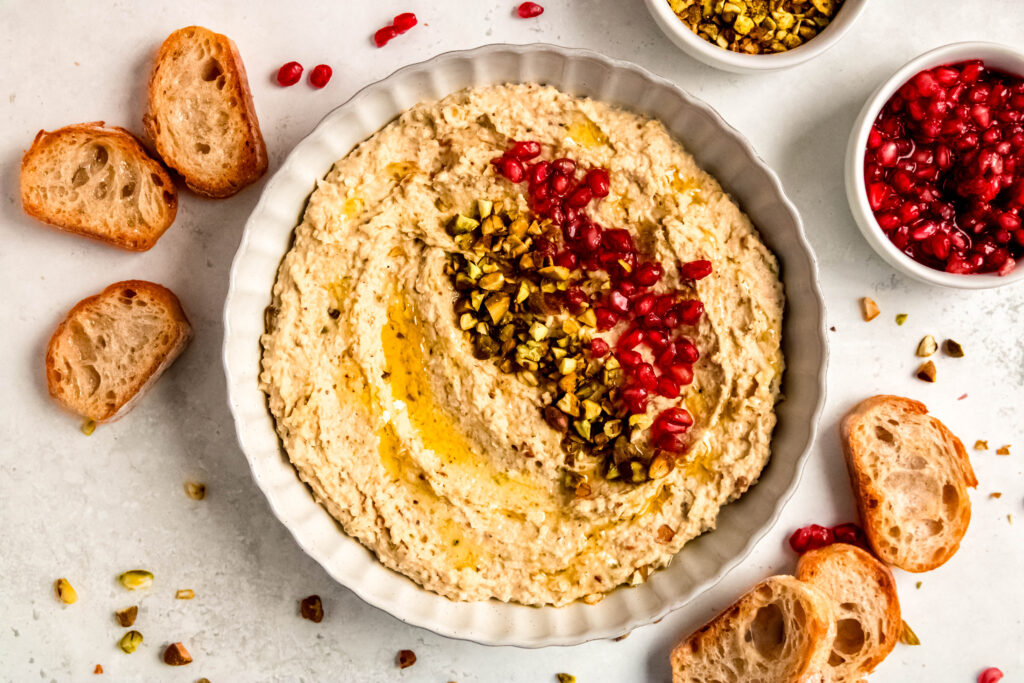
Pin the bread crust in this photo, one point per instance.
(819, 628)
(130, 145)
(182, 329)
(868, 493)
(875, 577)
(254, 162)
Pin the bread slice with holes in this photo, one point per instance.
(200, 113)
(779, 632)
(868, 620)
(99, 182)
(910, 477)
(113, 346)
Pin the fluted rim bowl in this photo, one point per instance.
(719, 149)
(994, 55)
(689, 42)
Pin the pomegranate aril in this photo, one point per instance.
(567, 259)
(606, 318)
(668, 387)
(559, 184)
(565, 166)
(629, 358)
(524, 150)
(598, 181)
(591, 237)
(618, 240)
(690, 312)
(686, 351)
(599, 347)
(618, 302)
(289, 74)
(404, 21)
(644, 305)
(645, 376)
(384, 35)
(681, 373)
(512, 169)
(656, 339)
(673, 443)
(539, 172)
(320, 75)
(990, 675)
(887, 155)
(648, 274)
(529, 10)
(695, 270)
(631, 338)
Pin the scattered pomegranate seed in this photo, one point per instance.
(289, 74)
(404, 21)
(529, 10)
(696, 270)
(320, 75)
(384, 35)
(990, 675)
(811, 538)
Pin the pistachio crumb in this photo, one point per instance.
(195, 490)
(177, 655)
(130, 642)
(98, 669)
(981, 445)
(406, 658)
(917, 585)
(565, 678)
(953, 349)
(901, 318)
(995, 494)
(1004, 450)
(126, 617)
(312, 608)
(869, 309)
(65, 592)
(926, 346)
(185, 594)
(926, 372)
(908, 637)
(135, 579)
(88, 427)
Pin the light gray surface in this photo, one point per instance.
(90, 507)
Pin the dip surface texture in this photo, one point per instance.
(438, 462)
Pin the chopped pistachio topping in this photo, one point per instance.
(136, 579)
(130, 641)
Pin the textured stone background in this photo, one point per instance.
(88, 508)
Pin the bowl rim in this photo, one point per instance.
(856, 190)
(738, 62)
(518, 639)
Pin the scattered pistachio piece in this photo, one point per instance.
(98, 669)
(177, 655)
(565, 678)
(88, 427)
(406, 658)
(1009, 519)
(126, 616)
(869, 309)
(130, 641)
(953, 349)
(926, 372)
(908, 637)
(926, 346)
(185, 594)
(195, 490)
(136, 578)
(901, 318)
(312, 608)
(65, 591)
(995, 494)
(918, 585)
(981, 445)
(1003, 450)
(619, 639)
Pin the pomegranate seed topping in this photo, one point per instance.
(629, 358)
(566, 167)
(289, 74)
(851, 534)
(529, 10)
(559, 184)
(404, 21)
(648, 274)
(990, 675)
(575, 297)
(580, 197)
(656, 339)
(618, 302)
(651, 321)
(511, 169)
(618, 240)
(599, 181)
(695, 270)
(384, 35)
(686, 351)
(567, 259)
(677, 417)
(690, 311)
(644, 305)
(540, 172)
(672, 443)
(631, 338)
(644, 374)
(668, 387)
(320, 75)
(635, 398)
(887, 155)
(606, 318)
(599, 347)
(525, 150)
(591, 238)
(681, 373)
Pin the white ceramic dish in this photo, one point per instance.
(994, 55)
(720, 58)
(720, 149)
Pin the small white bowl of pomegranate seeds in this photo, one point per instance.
(935, 167)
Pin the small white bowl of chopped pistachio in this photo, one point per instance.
(747, 36)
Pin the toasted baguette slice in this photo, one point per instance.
(113, 346)
(98, 182)
(910, 476)
(779, 632)
(868, 617)
(201, 116)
